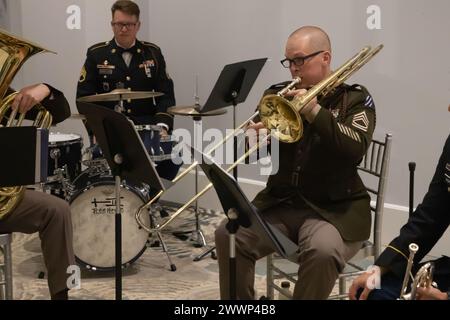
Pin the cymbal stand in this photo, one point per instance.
(197, 235)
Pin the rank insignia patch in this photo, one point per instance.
(361, 121)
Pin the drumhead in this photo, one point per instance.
(93, 220)
(58, 138)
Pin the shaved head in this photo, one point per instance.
(314, 43)
(315, 37)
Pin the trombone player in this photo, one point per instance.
(316, 198)
(425, 227)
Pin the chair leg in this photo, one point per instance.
(342, 286)
(2, 279)
(6, 290)
(8, 270)
(269, 277)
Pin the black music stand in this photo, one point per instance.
(232, 87)
(127, 157)
(241, 212)
(412, 168)
(28, 150)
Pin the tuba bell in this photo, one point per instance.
(14, 51)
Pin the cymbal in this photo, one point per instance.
(192, 111)
(78, 116)
(120, 94)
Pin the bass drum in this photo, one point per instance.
(93, 209)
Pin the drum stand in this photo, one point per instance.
(160, 241)
(196, 236)
(211, 250)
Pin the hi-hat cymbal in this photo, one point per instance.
(120, 94)
(192, 111)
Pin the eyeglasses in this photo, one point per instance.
(120, 25)
(298, 61)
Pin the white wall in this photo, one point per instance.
(409, 79)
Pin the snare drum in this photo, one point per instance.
(93, 219)
(64, 149)
(159, 148)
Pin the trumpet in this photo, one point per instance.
(423, 278)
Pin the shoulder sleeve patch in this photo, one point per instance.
(83, 75)
(369, 102)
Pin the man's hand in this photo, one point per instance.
(252, 131)
(29, 96)
(254, 126)
(431, 293)
(359, 283)
(163, 133)
(311, 109)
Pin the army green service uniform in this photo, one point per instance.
(316, 198)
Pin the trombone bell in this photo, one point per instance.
(280, 119)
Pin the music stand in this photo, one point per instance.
(27, 151)
(412, 168)
(241, 212)
(231, 88)
(127, 157)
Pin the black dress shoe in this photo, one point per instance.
(163, 213)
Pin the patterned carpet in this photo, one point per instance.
(149, 278)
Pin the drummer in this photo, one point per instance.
(127, 63)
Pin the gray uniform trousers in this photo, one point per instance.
(322, 253)
(50, 216)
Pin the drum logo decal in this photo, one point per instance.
(106, 206)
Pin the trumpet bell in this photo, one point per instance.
(279, 117)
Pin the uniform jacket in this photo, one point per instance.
(105, 70)
(320, 170)
(427, 223)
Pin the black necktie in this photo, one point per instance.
(131, 50)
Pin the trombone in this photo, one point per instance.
(147, 205)
(280, 117)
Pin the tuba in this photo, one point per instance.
(14, 51)
(423, 277)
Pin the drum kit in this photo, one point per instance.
(85, 181)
